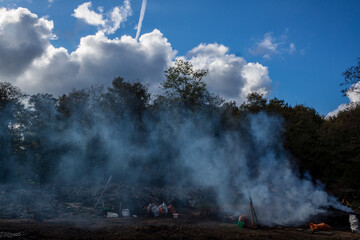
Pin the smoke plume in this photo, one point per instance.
(141, 18)
(97, 135)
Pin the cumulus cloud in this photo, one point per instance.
(230, 76)
(103, 58)
(98, 60)
(107, 23)
(35, 65)
(23, 38)
(270, 46)
(54, 72)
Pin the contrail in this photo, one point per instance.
(142, 13)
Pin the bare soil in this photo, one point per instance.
(33, 213)
(152, 228)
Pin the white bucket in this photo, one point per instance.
(125, 212)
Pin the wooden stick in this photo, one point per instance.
(254, 212)
(251, 213)
(103, 191)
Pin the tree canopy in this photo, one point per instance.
(88, 124)
(352, 79)
(186, 84)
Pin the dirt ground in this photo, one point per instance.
(151, 228)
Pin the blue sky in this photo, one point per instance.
(305, 45)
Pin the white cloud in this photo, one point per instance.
(335, 112)
(89, 16)
(268, 43)
(117, 16)
(292, 48)
(98, 60)
(103, 58)
(354, 98)
(270, 46)
(230, 76)
(108, 23)
(23, 38)
(266, 47)
(354, 95)
(35, 65)
(54, 72)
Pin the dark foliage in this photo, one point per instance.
(37, 140)
(351, 79)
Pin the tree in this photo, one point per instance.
(339, 145)
(8, 94)
(255, 103)
(125, 96)
(186, 84)
(75, 103)
(41, 152)
(11, 110)
(352, 79)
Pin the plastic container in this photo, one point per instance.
(241, 224)
(112, 215)
(125, 212)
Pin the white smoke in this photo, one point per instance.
(142, 14)
(250, 164)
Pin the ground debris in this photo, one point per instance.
(11, 235)
(153, 228)
(51, 201)
(323, 233)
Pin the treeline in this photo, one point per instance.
(326, 148)
(77, 136)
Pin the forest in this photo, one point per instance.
(124, 131)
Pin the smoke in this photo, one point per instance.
(101, 134)
(141, 18)
(239, 165)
